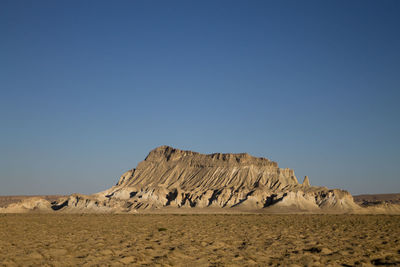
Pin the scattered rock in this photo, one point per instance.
(127, 260)
(326, 251)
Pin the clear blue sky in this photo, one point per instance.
(88, 88)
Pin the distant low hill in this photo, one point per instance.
(7, 200)
(376, 199)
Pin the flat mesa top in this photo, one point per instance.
(167, 153)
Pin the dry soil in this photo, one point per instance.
(199, 240)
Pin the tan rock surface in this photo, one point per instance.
(186, 179)
(7, 200)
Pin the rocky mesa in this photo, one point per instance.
(174, 180)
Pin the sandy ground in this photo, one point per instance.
(199, 240)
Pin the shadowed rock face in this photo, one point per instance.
(170, 177)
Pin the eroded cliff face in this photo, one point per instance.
(170, 177)
(173, 178)
(172, 168)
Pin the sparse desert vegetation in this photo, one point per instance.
(199, 240)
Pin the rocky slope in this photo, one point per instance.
(176, 178)
(172, 179)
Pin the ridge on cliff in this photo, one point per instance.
(172, 179)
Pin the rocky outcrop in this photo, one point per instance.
(174, 179)
(34, 204)
(306, 181)
(170, 177)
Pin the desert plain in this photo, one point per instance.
(199, 240)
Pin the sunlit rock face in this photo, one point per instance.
(186, 179)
